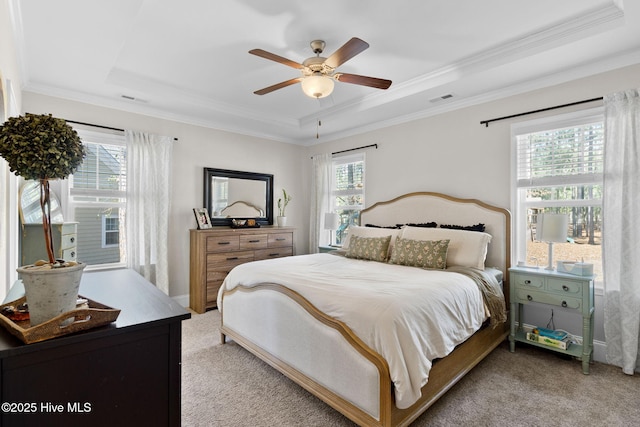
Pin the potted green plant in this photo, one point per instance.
(44, 148)
(282, 204)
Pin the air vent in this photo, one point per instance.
(441, 98)
(133, 98)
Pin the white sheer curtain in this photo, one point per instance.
(148, 200)
(621, 225)
(320, 200)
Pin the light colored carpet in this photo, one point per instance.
(225, 385)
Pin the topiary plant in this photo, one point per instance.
(43, 148)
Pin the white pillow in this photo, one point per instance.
(356, 230)
(466, 248)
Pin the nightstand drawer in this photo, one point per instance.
(528, 281)
(565, 287)
(525, 296)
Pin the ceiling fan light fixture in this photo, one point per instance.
(317, 86)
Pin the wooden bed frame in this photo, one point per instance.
(282, 343)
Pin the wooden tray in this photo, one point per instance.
(84, 317)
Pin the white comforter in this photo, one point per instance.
(408, 315)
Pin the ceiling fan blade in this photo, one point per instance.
(278, 86)
(346, 52)
(363, 80)
(273, 57)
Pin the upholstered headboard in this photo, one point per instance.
(241, 209)
(423, 207)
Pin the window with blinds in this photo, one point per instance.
(97, 198)
(558, 168)
(347, 191)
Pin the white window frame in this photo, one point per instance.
(67, 190)
(341, 160)
(106, 232)
(519, 208)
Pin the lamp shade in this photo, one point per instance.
(317, 86)
(552, 228)
(331, 221)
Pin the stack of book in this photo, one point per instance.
(556, 339)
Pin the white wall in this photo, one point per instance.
(452, 153)
(11, 99)
(196, 148)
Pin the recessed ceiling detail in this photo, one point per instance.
(188, 60)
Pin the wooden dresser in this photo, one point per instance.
(215, 251)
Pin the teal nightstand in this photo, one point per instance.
(573, 293)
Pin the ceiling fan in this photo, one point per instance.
(319, 73)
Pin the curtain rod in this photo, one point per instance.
(100, 126)
(486, 122)
(353, 149)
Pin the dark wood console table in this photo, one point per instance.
(123, 374)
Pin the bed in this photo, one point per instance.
(276, 310)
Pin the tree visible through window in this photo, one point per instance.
(559, 167)
(347, 191)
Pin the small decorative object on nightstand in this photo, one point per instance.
(530, 285)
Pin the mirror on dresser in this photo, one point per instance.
(230, 194)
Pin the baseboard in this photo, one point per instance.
(183, 300)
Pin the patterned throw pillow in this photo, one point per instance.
(420, 253)
(368, 248)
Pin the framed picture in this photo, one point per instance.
(202, 217)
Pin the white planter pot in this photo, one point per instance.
(282, 221)
(50, 292)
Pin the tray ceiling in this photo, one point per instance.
(188, 60)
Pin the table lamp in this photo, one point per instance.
(552, 228)
(331, 223)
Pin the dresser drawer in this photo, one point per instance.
(273, 253)
(253, 241)
(278, 240)
(212, 291)
(70, 254)
(565, 287)
(525, 281)
(68, 241)
(226, 261)
(525, 296)
(223, 243)
(68, 228)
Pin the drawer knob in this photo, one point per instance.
(232, 258)
(73, 239)
(254, 241)
(224, 243)
(274, 254)
(564, 303)
(527, 282)
(529, 297)
(73, 254)
(280, 239)
(565, 288)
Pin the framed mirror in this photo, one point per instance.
(230, 194)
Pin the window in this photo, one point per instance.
(559, 169)
(97, 192)
(347, 191)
